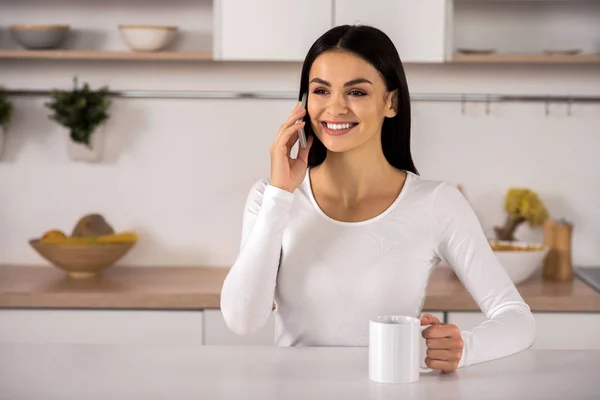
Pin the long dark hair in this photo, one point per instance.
(375, 47)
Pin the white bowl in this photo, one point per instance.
(521, 264)
(148, 37)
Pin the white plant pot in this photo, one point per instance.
(80, 152)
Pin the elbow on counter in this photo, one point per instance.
(510, 331)
(239, 323)
(236, 322)
(529, 330)
(524, 329)
(237, 315)
(522, 324)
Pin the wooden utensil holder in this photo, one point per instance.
(558, 264)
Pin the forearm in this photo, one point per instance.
(248, 290)
(509, 330)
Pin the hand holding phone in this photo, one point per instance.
(287, 172)
(301, 134)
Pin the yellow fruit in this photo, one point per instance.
(54, 233)
(497, 246)
(69, 240)
(121, 237)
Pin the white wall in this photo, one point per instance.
(178, 171)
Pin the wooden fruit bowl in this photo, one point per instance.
(81, 260)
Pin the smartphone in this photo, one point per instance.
(301, 134)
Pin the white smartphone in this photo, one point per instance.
(301, 134)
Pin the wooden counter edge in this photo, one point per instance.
(445, 292)
(73, 301)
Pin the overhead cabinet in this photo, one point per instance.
(268, 30)
(418, 29)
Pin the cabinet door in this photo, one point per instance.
(216, 332)
(268, 30)
(419, 29)
(101, 327)
(565, 331)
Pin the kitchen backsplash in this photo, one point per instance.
(178, 171)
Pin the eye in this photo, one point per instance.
(320, 91)
(357, 93)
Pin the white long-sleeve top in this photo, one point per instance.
(327, 277)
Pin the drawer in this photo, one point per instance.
(560, 331)
(101, 326)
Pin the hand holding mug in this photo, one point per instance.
(444, 344)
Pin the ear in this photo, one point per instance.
(391, 104)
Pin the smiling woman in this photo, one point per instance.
(353, 95)
(348, 230)
(355, 76)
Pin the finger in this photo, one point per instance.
(445, 366)
(295, 137)
(303, 153)
(441, 331)
(292, 139)
(428, 319)
(289, 134)
(292, 119)
(289, 123)
(444, 344)
(444, 355)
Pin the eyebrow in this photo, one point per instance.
(349, 83)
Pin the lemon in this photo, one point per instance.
(54, 234)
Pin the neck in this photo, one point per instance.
(354, 175)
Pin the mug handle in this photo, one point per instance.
(423, 351)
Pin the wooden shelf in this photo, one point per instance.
(457, 58)
(103, 55)
(526, 58)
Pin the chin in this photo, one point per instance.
(338, 145)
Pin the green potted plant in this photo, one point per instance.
(83, 112)
(5, 115)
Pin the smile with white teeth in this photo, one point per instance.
(338, 126)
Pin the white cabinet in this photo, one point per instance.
(155, 327)
(419, 29)
(217, 332)
(268, 30)
(566, 331)
(284, 30)
(137, 327)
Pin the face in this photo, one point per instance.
(347, 101)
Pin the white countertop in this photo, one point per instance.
(53, 371)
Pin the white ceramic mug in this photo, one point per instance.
(397, 349)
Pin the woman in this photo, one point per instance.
(348, 229)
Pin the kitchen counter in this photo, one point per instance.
(199, 288)
(69, 371)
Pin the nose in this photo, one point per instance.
(337, 105)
